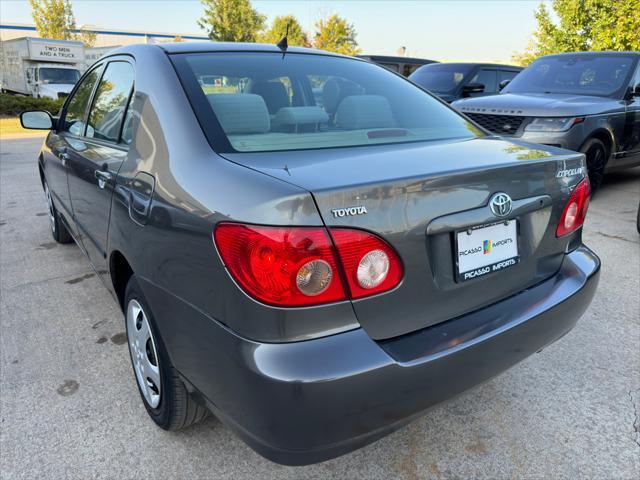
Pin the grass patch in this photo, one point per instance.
(10, 127)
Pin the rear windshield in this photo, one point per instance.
(250, 102)
(599, 75)
(441, 77)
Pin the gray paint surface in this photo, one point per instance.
(70, 408)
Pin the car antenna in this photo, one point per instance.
(283, 44)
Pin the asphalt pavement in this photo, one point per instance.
(69, 405)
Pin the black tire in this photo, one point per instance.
(597, 156)
(59, 231)
(176, 409)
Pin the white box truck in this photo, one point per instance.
(93, 54)
(41, 67)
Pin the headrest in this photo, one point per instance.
(240, 112)
(300, 116)
(274, 95)
(364, 111)
(334, 90)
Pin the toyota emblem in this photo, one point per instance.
(501, 204)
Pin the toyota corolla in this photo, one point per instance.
(308, 245)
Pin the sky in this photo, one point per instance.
(450, 30)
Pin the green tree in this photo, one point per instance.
(231, 20)
(278, 28)
(584, 25)
(335, 34)
(55, 19)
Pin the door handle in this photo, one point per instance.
(103, 177)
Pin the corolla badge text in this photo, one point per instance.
(349, 211)
(569, 172)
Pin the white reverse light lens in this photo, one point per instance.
(571, 215)
(373, 269)
(314, 277)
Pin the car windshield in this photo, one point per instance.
(267, 102)
(66, 76)
(599, 75)
(440, 77)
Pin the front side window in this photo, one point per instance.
(111, 101)
(311, 101)
(600, 75)
(507, 75)
(77, 106)
(487, 78)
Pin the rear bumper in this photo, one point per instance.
(305, 402)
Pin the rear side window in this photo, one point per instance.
(267, 102)
(77, 106)
(111, 100)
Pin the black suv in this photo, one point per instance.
(452, 81)
(403, 65)
(588, 102)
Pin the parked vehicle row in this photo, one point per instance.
(308, 245)
(587, 102)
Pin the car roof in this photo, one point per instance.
(612, 53)
(391, 58)
(471, 64)
(200, 47)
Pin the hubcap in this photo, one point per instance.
(52, 219)
(143, 353)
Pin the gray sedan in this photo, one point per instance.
(316, 273)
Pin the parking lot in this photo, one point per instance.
(70, 408)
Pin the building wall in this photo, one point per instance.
(104, 37)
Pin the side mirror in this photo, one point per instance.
(635, 91)
(504, 83)
(470, 88)
(36, 120)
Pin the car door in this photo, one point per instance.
(96, 157)
(487, 77)
(70, 126)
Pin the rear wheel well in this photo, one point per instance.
(121, 272)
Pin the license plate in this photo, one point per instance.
(487, 249)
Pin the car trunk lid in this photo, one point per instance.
(419, 197)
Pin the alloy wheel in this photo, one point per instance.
(143, 353)
(595, 164)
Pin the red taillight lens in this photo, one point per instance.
(299, 266)
(575, 210)
(282, 266)
(370, 264)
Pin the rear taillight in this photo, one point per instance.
(282, 266)
(370, 264)
(575, 210)
(300, 266)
